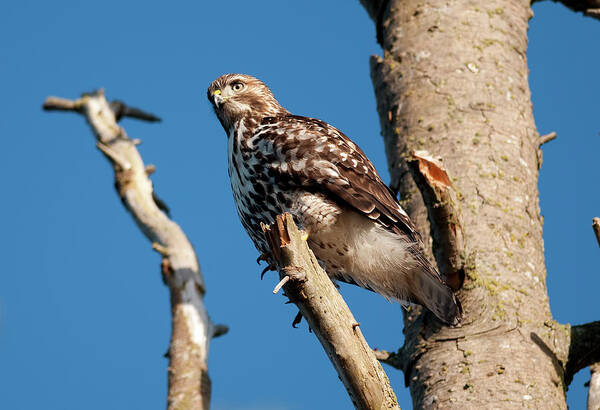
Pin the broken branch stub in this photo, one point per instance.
(596, 226)
(444, 215)
(328, 316)
(584, 349)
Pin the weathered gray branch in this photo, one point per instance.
(189, 383)
(590, 8)
(444, 215)
(309, 287)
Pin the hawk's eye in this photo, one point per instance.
(237, 86)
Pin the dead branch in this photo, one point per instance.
(547, 138)
(541, 141)
(584, 349)
(189, 384)
(328, 316)
(444, 215)
(590, 8)
(376, 10)
(396, 360)
(120, 109)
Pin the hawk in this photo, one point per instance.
(280, 162)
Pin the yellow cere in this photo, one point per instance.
(217, 92)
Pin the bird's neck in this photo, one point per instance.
(246, 125)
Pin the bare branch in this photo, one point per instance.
(396, 360)
(444, 215)
(547, 138)
(541, 141)
(584, 349)
(120, 109)
(220, 330)
(61, 104)
(189, 384)
(282, 282)
(376, 10)
(590, 8)
(596, 226)
(328, 316)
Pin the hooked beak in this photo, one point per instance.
(218, 98)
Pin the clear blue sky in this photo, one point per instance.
(84, 316)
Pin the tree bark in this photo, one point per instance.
(453, 81)
(189, 383)
(593, 401)
(328, 316)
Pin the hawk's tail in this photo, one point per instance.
(429, 290)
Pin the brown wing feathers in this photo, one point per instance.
(353, 180)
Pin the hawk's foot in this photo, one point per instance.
(297, 320)
(263, 257)
(270, 267)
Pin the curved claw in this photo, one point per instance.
(265, 270)
(297, 320)
(262, 257)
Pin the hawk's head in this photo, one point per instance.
(237, 96)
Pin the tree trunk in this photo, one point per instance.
(453, 81)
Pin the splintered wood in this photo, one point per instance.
(432, 169)
(444, 215)
(309, 287)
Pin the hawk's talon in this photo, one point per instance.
(262, 257)
(304, 235)
(297, 320)
(267, 269)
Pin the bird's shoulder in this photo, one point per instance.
(324, 140)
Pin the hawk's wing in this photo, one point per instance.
(313, 154)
